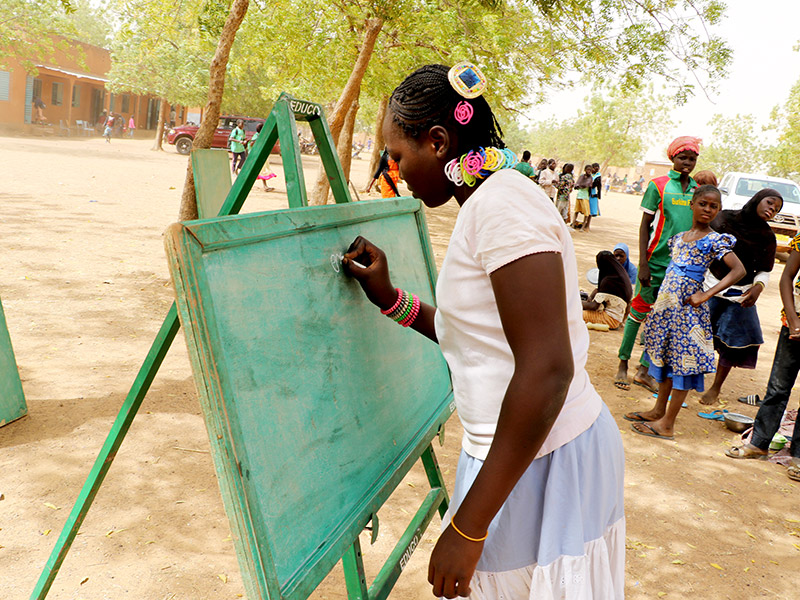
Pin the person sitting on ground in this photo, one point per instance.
(666, 212)
(582, 200)
(785, 367)
(608, 304)
(524, 166)
(622, 253)
(388, 175)
(705, 178)
(734, 318)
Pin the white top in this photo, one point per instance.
(546, 179)
(734, 293)
(506, 218)
(612, 305)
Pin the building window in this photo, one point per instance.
(76, 95)
(5, 79)
(58, 94)
(126, 103)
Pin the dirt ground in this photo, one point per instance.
(85, 287)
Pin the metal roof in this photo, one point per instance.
(73, 73)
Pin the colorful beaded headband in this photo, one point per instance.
(479, 164)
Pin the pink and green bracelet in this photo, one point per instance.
(405, 310)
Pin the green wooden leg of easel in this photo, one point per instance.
(435, 477)
(120, 427)
(354, 577)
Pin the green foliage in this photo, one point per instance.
(27, 30)
(785, 155)
(736, 146)
(611, 129)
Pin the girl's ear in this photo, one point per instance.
(441, 141)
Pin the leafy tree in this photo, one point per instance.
(785, 155)
(736, 146)
(30, 31)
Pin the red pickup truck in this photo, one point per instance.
(183, 136)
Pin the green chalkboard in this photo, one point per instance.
(12, 399)
(316, 404)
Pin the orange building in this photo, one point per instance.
(72, 87)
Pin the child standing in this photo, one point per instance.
(666, 212)
(677, 333)
(266, 171)
(582, 187)
(565, 184)
(537, 509)
(236, 139)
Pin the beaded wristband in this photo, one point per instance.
(465, 536)
(396, 304)
(405, 305)
(412, 316)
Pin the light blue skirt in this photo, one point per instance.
(561, 531)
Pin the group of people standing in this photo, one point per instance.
(559, 186)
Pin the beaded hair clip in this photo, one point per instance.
(468, 81)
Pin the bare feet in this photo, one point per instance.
(710, 397)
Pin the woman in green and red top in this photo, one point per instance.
(666, 212)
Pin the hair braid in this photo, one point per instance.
(425, 98)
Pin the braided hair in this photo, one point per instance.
(425, 98)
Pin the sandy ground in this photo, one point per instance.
(85, 287)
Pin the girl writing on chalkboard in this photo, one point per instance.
(537, 508)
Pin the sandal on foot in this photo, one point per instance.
(793, 471)
(745, 451)
(751, 399)
(645, 385)
(714, 415)
(636, 417)
(621, 384)
(651, 432)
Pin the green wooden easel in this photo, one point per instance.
(12, 398)
(281, 125)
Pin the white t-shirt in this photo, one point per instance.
(506, 218)
(547, 178)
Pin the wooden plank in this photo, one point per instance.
(212, 180)
(12, 398)
(316, 405)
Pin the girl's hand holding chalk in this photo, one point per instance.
(367, 263)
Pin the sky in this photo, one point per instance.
(764, 68)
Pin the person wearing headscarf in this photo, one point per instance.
(734, 318)
(622, 254)
(608, 304)
(666, 212)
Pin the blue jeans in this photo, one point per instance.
(784, 373)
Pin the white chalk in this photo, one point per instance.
(358, 264)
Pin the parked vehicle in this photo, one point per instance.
(183, 135)
(738, 188)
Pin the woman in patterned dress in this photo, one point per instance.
(677, 332)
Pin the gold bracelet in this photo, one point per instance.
(465, 536)
(761, 283)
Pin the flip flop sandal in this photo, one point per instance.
(621, 384)
(744, 452)
(793, 471)
(653, 432)
(714, 415)
(645, 386)
(751, 399)
(636, 417)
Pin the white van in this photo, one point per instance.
(738, 188)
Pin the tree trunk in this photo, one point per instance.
(352, 88)
(205, 134)
(162, 114)
(345, 145)
(377, 148)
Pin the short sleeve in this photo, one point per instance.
(795, 243)
(651, 199)
(512, 219)
(723, 244)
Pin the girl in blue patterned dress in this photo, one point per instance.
(677, 333)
